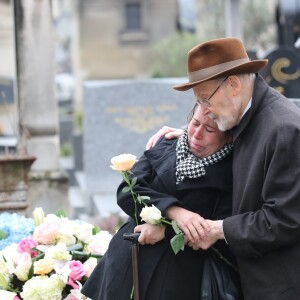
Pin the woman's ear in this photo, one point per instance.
(235, 85)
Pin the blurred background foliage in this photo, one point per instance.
(259, 32)
(171, 54)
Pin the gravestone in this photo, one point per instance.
(283, 71)
(119, 117)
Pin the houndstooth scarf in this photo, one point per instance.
(188, 165)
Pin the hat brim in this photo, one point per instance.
(249, 67)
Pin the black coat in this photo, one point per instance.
(162, 274)
(265, 231)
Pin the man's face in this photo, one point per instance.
(218, 103)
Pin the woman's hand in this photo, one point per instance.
(192, 224)
(150, 234)
(168, 132)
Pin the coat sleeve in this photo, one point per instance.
(147, 179)
(275, 222)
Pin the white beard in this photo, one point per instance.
(222, 123)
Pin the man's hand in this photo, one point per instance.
(192, 224)
(168, 132)
(215, 234)
(150, 234)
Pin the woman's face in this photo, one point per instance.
(204, 137)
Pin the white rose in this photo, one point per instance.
(151, 215)
(66, 232)
(66, 239)
(23, 266)
(51, 218)
(84, 232)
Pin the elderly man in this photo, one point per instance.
(264, 231)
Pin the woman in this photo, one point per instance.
(187, 179)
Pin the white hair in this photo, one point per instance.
(247, 77)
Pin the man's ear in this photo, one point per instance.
(235, 85)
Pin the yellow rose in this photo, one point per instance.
(43, 266)
(123, 162)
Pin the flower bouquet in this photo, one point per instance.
(123, 163)
(52, 262)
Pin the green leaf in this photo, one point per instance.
(145, 198)
(60, 213)
(175, 227)
(142, 199)
(75, 247)
(139, 199)
(96, 229)
(31, 270)
(79, 255)
(177, 242)
(38, 257)
(126, 189)
(133, 181)
(3, 234)
(98, 256)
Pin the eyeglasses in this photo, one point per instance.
(205, 102)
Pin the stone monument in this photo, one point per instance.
(119, 117)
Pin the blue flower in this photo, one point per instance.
(16, 226)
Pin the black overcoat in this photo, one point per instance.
(163, 276)
(265, 231)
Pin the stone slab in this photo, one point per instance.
(119, 117)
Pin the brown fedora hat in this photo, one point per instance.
(216, 59)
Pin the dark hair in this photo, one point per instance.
(192, 112)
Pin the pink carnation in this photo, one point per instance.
(26, 245)
(77, 270)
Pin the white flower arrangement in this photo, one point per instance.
(51, 263)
